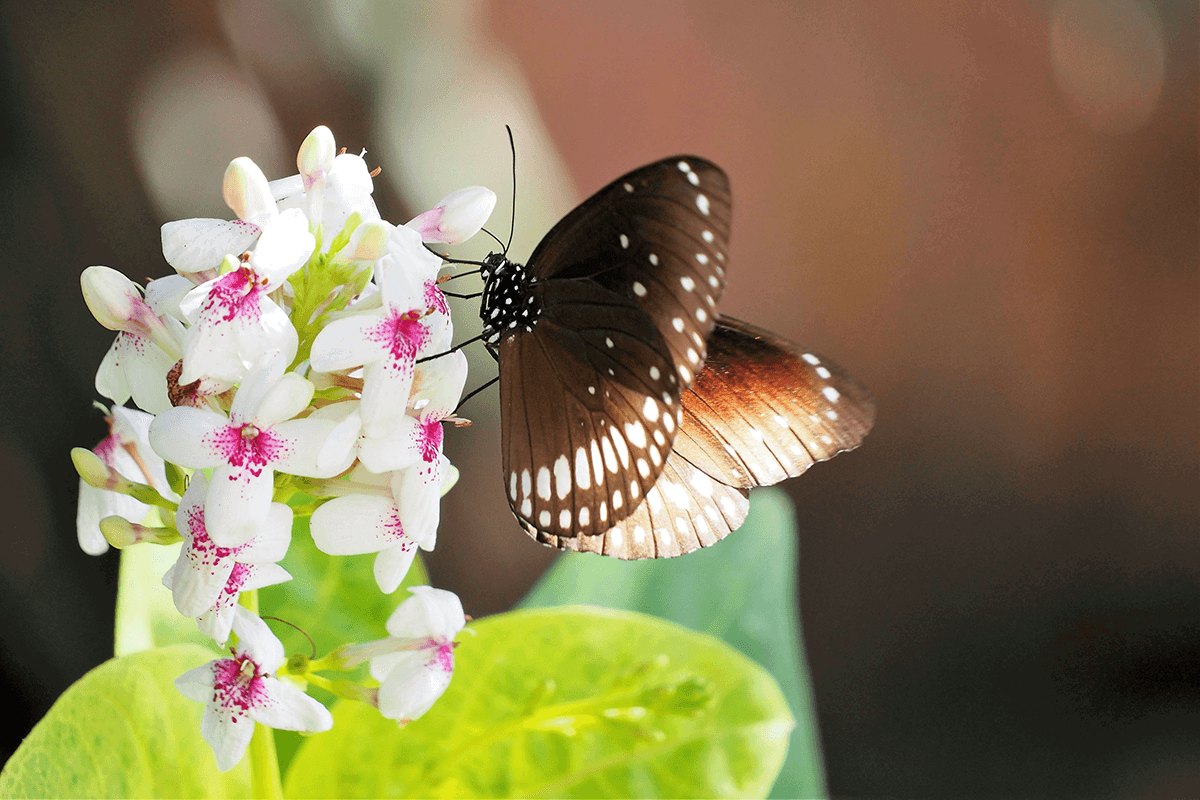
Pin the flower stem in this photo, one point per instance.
(264, 761)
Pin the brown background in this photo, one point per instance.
(986, 211)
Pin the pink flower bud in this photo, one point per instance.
(458, 217)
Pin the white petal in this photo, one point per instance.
(408, 692)
(227, 738)
(287, 398)
(350, 342)
(305, 440)
(182, 435)
(197, 580)
(210, 351)
(238, 504)
(442, 384)
(342, 441)
(266, 372)
(400, 448)
(392, 565)
(348, 188)
(419, 499)
(356, 524)
(271, 542)
(284, 247)
(386, 384)
(256, 640)
(428, 613)
(146, 368)
(285, 707)
(195, 245)
(110, 378)
(270, 330)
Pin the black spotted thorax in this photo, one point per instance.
(507, 306)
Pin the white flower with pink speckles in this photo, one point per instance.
(242, 690)
(233, 318)
(457, 217)
(396, 522)
(245, 448)
(126, 450)
(415, 663)
(207, 578)
(410, 321)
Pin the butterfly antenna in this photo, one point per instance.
(445, 257)
(474, 392)
(489, 233)
(512, 222)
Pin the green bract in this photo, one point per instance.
(123, 730)
(567, 702)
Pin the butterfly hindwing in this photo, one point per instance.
(759, 412)
(658, 236)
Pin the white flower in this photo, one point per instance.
(415, 663)
(127, 451)
(411, 681)
(206, 579)
(457, 217)
(239, 691)
(329, 188)
(246, 448)
(234, 321)
(146, 346)
(387, 341)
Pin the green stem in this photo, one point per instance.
(264, 761)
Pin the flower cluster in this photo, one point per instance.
(303, 347)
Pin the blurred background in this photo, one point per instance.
(987, 212)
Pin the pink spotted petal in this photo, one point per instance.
(183, 435)
(356, 524)
(392, 565)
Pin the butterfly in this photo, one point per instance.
(634, 419)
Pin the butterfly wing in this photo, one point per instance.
(763, 409)
(659, 237)
(587, 415)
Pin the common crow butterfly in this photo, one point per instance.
(633, 420)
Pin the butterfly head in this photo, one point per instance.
(508, 305)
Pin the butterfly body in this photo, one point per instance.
(617, 436)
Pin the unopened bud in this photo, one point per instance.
(121, 533)
(316, 155)
(369, 241)
(247, 192)
(112, 298)
(458, 216)
(92, 469)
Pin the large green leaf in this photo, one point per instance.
(123, 730)
(567, 702)
(742, 590)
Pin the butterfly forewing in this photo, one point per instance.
(587, 428)
(658, 236)
(763, 409)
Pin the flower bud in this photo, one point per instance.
(369, 241)
(458, 217)
(112, 298)
(91, 468)
(247, 192)
(316, 155)
(121, 533)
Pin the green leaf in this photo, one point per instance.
(146, 615)
(123, 730)
(567, 702)
(742, 590)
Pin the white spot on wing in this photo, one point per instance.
(624, 242)
(702, 204)
(583, 475)
(544, 519)
(564, 519)
(831, 394)
(639, 289)
(562, 476)
(543, 482)
(687, 283)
